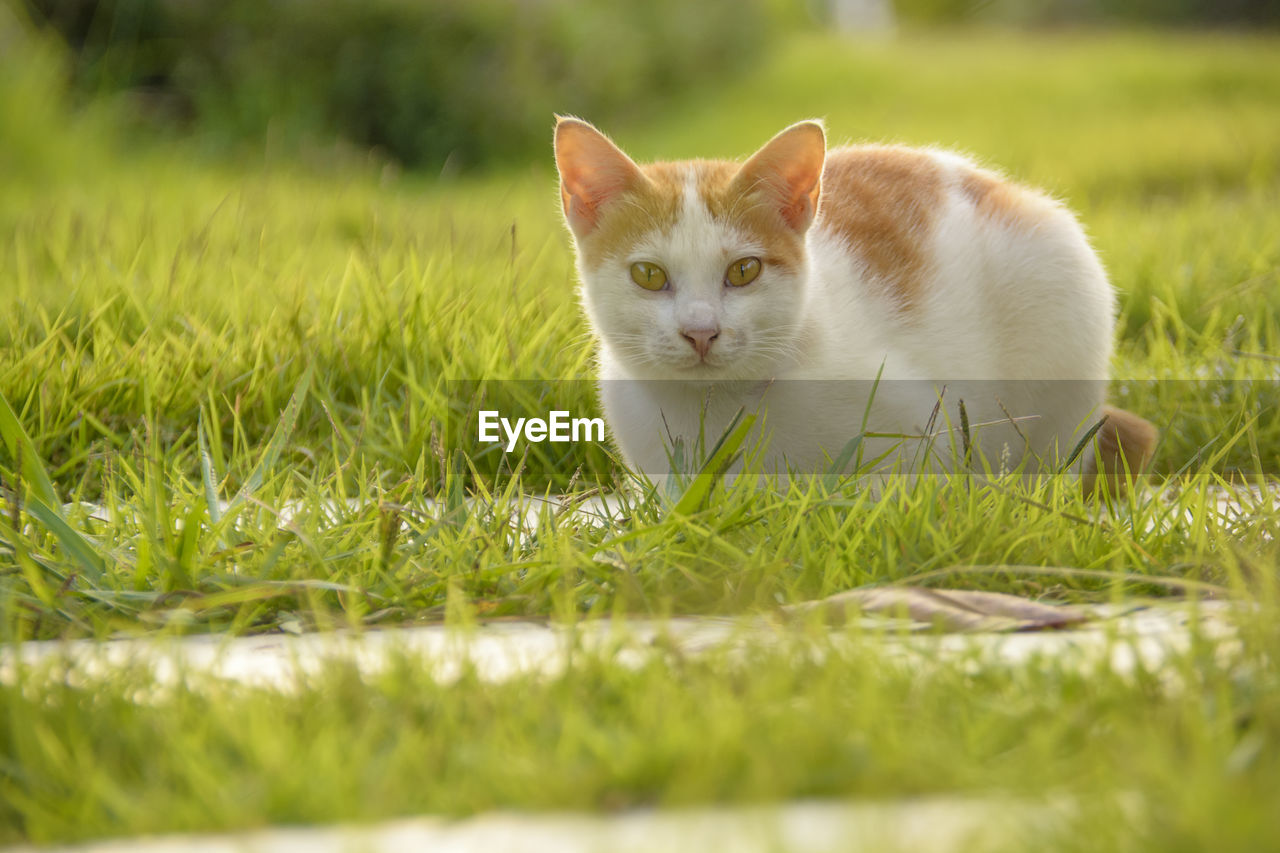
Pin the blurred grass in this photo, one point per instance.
(1180, 758)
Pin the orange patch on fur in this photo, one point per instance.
(657, 206)
(652, 206)
(752, 212)
(1125, 442)
(1001, 200)
(882, 200)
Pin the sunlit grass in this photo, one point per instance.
(145, 301)
(158, 317)
(1181, 755)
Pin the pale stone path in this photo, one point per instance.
(1122, 638)
(935, 824)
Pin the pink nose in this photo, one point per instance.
(700, 339)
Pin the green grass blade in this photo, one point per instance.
(279, 438)
(74, 543)
(726, 449)
(836, 472)
(24, 454)
(44, 504)
(1081, 445)
(208, 473)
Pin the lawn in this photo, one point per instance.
(229, 387)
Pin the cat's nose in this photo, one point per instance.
(700, 338)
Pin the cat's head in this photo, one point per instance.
(692, 269)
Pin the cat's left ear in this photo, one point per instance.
(789, 170)
(593, 172)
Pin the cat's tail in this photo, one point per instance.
(1123, 446)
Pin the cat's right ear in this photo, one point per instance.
(788, 169)
(593, 172)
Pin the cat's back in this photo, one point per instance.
(887, 204)
(974, 270)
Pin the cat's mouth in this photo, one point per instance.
(700, 362)
(708, 366)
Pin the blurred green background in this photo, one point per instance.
(442, 84)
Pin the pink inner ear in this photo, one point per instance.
(800, 212)
(593, 172)
(790, 167)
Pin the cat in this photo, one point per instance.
(902, 294)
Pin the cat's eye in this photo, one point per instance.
(742, 271)
(649, 276)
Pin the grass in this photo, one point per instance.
(773, 722)
(177, 334)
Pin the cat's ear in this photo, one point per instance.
(789, 170)
(593, 172)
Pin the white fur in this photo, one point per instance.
(1006, 306)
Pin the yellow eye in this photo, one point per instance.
(742, 271)
(649, 276)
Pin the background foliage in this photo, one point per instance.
(1234, 13)
(448, 85)
(428, 82)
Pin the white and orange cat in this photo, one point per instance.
(791, 281)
